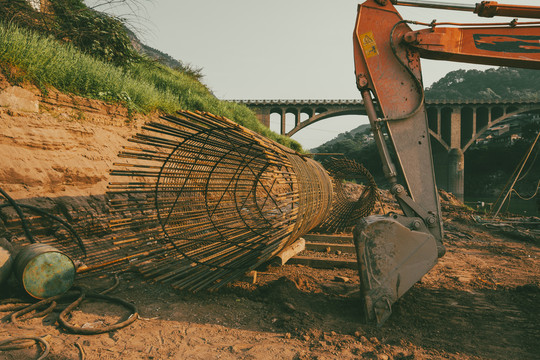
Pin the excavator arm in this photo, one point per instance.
(395, 250)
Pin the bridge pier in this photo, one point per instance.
(297, 115)
(283, 116)
(456, 173)
(450, 171)
(456, 160)
(263, 115)
(450, 164)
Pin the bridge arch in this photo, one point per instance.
(496, 112)
(461, 126)
(498, 120)
(305, 114)
(322, 116)
(454, 126)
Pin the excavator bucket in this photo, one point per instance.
(391, 259)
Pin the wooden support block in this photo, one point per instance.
(251, 276)
(323, 263)
(290, 251)
(329, 238)
(321, 246)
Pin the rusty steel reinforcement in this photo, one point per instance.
(206, 200)
(347, 210)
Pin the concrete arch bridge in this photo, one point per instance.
(454, 125)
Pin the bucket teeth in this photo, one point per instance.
(391, 259)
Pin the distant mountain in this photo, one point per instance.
(161, 57)
(361, 130)
(152, 53)
(491, 84)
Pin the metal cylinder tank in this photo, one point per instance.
(44, 271)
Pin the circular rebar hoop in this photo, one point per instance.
(220, 199)
(346, 212)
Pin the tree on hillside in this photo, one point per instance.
(132, 13)
(72, 21)
(492, 84)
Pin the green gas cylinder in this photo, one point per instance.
(44, 271)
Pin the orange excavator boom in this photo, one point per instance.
(394, 251)
(511, 45)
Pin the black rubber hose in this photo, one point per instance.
(81, 294)
(64, 223)
(14, 316)
(88, 331)
(21, 215)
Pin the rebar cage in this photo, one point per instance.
(207, 200)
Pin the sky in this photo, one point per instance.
(279, 49)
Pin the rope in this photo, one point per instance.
(62, 222)
(530, 166)
(81, 351)
(45, 345)
(520, 167)
(52, 301)
(12, 305)
(62, 318)
(80, 294)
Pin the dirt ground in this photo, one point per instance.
(481, 301)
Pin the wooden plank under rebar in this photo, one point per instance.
(323, 263)
(329, 238)
(324, 246)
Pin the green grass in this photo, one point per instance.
(144, 86)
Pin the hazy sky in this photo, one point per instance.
(279, 49)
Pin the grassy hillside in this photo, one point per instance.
(141, 85)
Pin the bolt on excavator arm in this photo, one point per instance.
(395, 251)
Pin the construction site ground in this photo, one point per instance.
(481, 301)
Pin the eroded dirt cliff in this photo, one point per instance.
(57, 145)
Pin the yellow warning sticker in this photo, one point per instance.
(367, 40)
